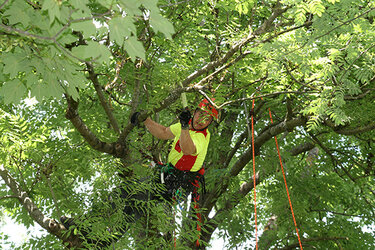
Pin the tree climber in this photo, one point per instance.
(185, 160)
(184, 169)
(190, 142)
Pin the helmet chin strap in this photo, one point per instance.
(192, 124)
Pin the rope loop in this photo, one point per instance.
(254, 178)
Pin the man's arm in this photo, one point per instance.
(186, 143)
(157, 130)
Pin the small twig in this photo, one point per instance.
(328, 32)
(367, 91)
(8, 197)
(19, 170)
(3, 4)
(210, 76)
(116, 99)
(208, 98)
(78, 20)
(297, 81)
(25, 33)
(308, 23)
(35, 6)
(338, 213)
(136, 92)
(53, 197)
(249, 134)
(234, 90)
(68, 53)
(119, 66)
(351, 65)
(266, 95)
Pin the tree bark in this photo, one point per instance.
(51, 225)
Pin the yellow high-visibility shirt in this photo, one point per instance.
(193, 162)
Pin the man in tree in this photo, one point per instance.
(184, 170)
(191, 138)
(185, 160)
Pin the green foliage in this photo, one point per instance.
(315, 61)
(55, 28)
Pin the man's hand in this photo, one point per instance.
(185, 117)
(134, 118)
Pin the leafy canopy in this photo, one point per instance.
(72, 73)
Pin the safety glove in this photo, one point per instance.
(185, 117)
(134, 118)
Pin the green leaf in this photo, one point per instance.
(94, 50)
(99, 52)
(80, 5)
(50, 87)
(134, 48)
(39, 91)
(87, 28)
(14, 63)
(243, 7)
(2, 77)
(53, 85)
(300, 15)
(160, 23)
(53, 9)
(121, 28)
(316, 7)
(73, 92)
(31, 79)
(55, 90)
(131, 7)
(13, 91)
(151, 5)
(74, 83)
(18, 13)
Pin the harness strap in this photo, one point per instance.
(196, 197)
(190, 182)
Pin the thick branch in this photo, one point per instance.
(228, 206)
(350, 131)
(237, 46)
(174, 95)
(307, 146)
(235, 148)
(94, 78)
(366, 92)
(48, 224)
(263, 138)
(115, 149)
(222, 184)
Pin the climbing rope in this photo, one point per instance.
(254, 178)
(286, 186)
(196, 197)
